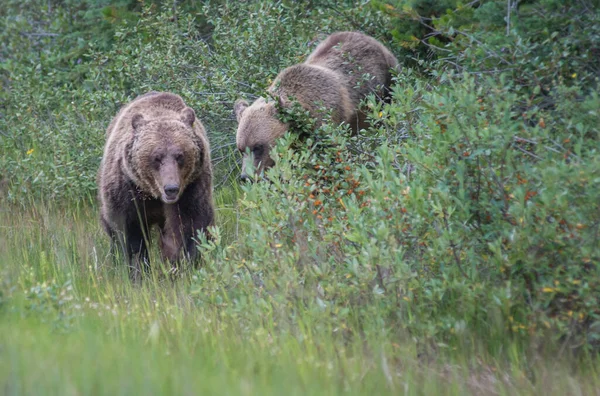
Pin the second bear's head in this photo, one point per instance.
(165, 155)
(258, 129)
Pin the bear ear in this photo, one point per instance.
(137, 121)
(239, 107)
(188, 116)
(282, 101)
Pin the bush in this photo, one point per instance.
(538, 44)
(452, 218)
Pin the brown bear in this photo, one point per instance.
(156, 170)
(341, 72)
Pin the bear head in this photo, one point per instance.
(165, 155)
(258, 129)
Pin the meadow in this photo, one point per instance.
(451, 248)
(74, 324)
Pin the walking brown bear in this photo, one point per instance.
(155, 170)
(340, 72)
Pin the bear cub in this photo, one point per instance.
(337, 76)
(155, 170)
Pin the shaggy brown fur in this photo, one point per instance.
(341, 72)
(155, 170)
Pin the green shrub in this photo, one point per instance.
(452, 218)
(539, 44)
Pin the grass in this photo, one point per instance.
(72, 323)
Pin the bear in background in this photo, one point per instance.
(336, 77)
(155, 170)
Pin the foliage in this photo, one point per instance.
(477, 215)
(539, 44)
(476, 224)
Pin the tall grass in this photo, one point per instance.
(72, 323)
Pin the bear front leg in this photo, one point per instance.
(194, 211)
(200, 222)
(198, 213)
(171, 237)
(137, 250)
(118, 243)
(114, 238)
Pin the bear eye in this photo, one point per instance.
(157, 160)
(179, 158)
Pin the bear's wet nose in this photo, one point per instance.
(171, 190)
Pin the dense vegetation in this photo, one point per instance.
(453, 246)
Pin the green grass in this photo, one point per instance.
(72, 323)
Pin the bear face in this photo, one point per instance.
(258, 129)
(167, 151)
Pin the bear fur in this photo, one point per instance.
(155, 170)
(337, 76)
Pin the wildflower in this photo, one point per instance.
(30, 151)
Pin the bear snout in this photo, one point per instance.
(171, 193)
(171, 190)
